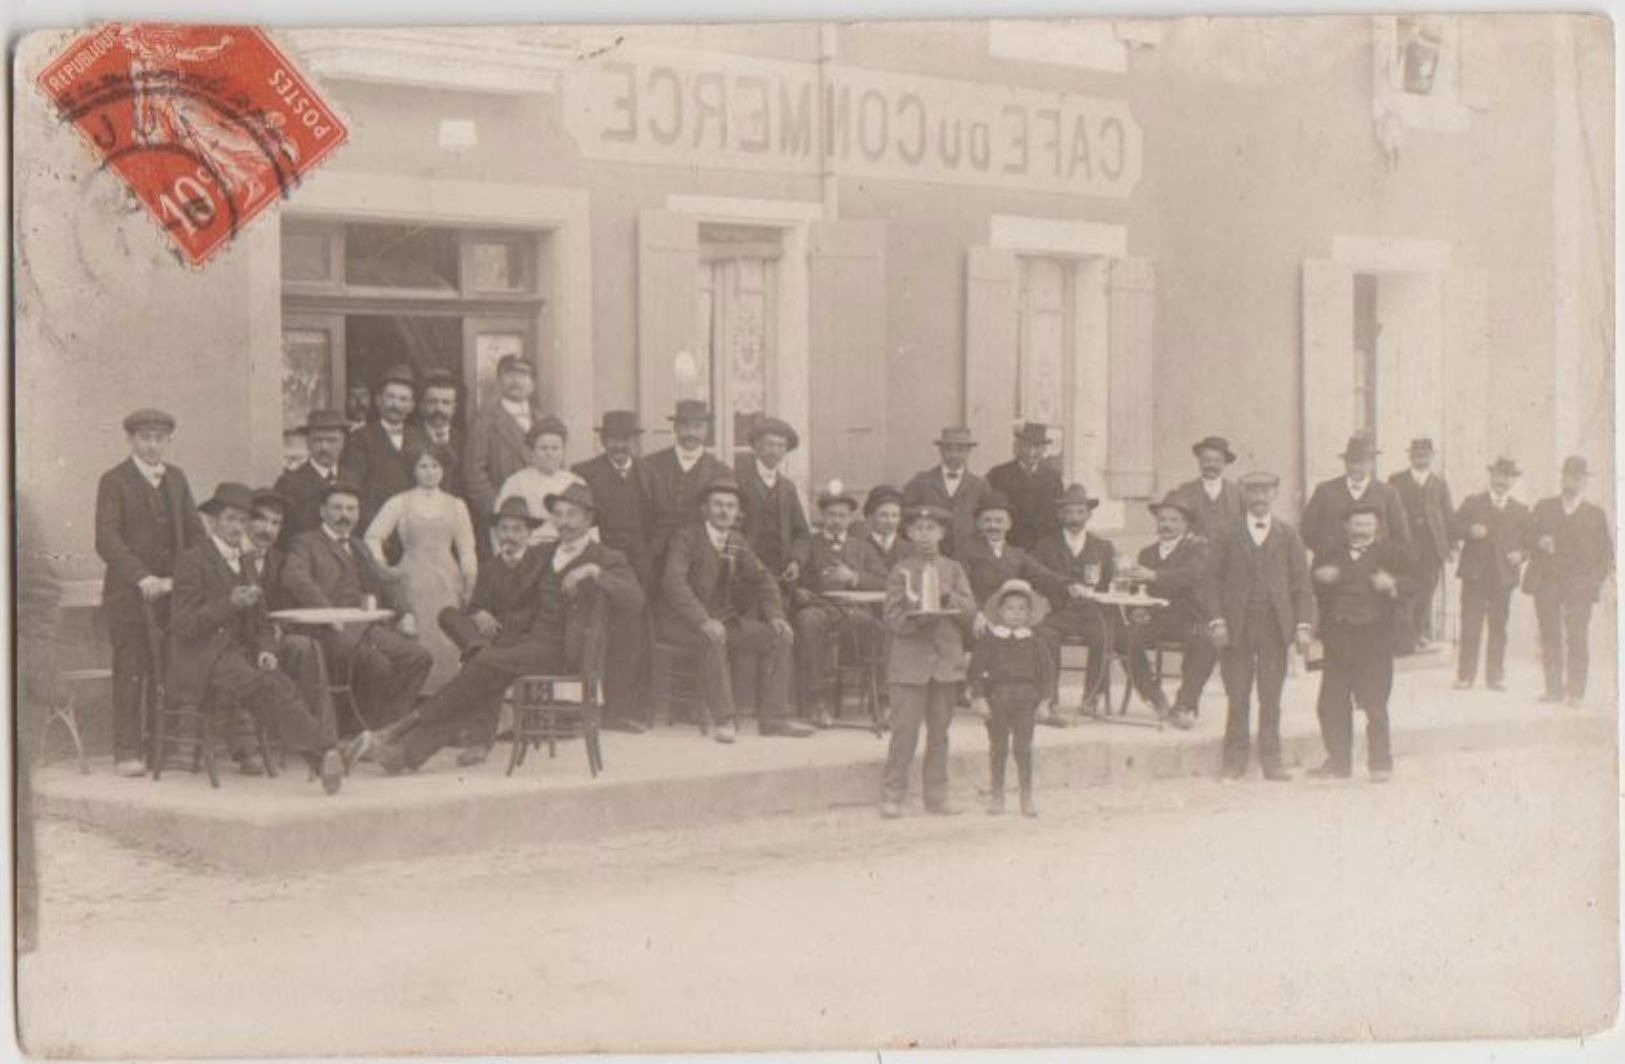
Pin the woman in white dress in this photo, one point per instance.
(544, 476)
(437, 566)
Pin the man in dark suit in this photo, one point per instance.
(882, 521)
(1214, 499)
(222, 649)
(675, 477)
(437, 410)
(1572, 555)
(324, 432)
(836, 561)
(1425, 497)
(1174, 568)
(496, 447)
(145, 519)
(1361, 587)
(297, 653)
(991, 560)
(1085, 563)
(771, 515)
(375, 455)
(616, 479)
(952, 487)
(1031, 485)
(1493, 528)
(1333, 499)
(719, 600)
(1260, 603)
(558, 626)
(330, 566)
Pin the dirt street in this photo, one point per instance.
(1474, 894)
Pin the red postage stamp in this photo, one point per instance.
(208, 125)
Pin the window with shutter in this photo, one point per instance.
(1131, 377)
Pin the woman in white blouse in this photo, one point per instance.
(544, 476)
(438, 566)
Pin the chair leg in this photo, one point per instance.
(265, 751)
(595, 756)
(206, 747)
(516, 738)
(156, 751)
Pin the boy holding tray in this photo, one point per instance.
(928, 606)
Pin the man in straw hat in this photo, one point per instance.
(719, 600)
(222, 646)
(1259, 602)
(324, 432)
(145, 519)
(1174, 568)
(837, 560)
(1493, 528)
(772, 518)
(1426, 500)
(675, 478)
(1334, 498)
(1572, 558)
(1031, 485)
(1085, 564)
(951, 486)
(1213, 499)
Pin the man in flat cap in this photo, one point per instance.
(951, 486)
(324, 432)
(1425, 497)
(772, 517)
(1213, 499)
(1259, 603)
(145, 519)
(375, 455)
(223, 649)
(1493, 528)
(720, 601)
(1571, 558)
(496, 447)
(675, 477)
(1334, 498)
(1361, 585)
(1174, 568)
(1031, 484)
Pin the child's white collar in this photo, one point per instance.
(1010, 633)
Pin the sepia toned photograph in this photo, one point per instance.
(778, 536)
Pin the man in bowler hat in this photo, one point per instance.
(1213, 499)
(1426, 500)
(1493, 529)
(951, 486)
(145, 520)
(1031, 485)
(675, 478)
(1334, 498)
(1571, 557)
(1174, 568)
(375, 455)
(324, 432)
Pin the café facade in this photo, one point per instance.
(1137, 232)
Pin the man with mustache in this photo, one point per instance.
(330, 566)
(324, 432)
(437, 409)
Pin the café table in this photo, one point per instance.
(1134, 609)
(874, 602)
(314, 620)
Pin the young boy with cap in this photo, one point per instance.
(927, 662)
(145, 519)
(1011, 673)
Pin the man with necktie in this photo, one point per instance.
(1334, 498)
(1572, 555)
(437, 410)
(375, 455)
(324, 432)
(145, 519)
(675, 479)
(1425, 497)
(1031, 485)
(1493, 529)
(951, 486)
(496, 447)
(1214, 500)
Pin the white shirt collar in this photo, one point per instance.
(233, 555)
(1358, 492)
(323, 471)
(885, 541)
(153, 473)
(1075, 540)
(1166, 547)
(396, 433)
(524, 548)
(719, 539)
(334, 536)
(688, 459)
(519, 411)
(1569, 509)
(1002, 632)
(1213, 488)
(1498, 501)
(566, 553)
(1253, 530)
(443, 438)
(627, 468)
(770, 477)
(996, 549)
(953, 479)
(1421, 476)
(836, 541)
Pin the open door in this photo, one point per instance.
(991, 349)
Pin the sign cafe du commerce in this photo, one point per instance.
(736, 112)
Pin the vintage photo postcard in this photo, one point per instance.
(763, 537)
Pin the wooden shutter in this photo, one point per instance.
(1130, 379)
(847, 277)
(1467, 447)
(668, 260)
(990, 348)
(1328, 369)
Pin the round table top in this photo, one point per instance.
(857, 598)
(331, 615)
(1117, 598)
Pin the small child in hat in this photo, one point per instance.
(1011, 672)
